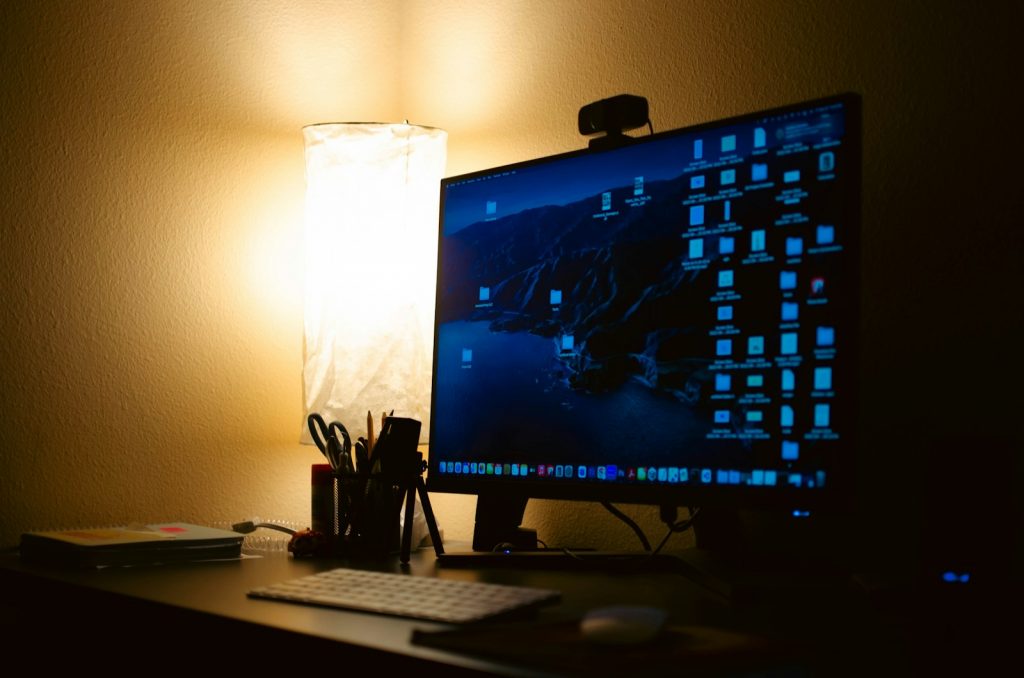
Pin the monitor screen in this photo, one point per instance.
(670, 321)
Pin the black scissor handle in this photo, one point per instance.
(319, 431)
(337, 428)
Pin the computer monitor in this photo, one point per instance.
(673, 321)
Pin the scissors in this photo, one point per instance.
(338, 451)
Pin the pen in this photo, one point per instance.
(370, 438)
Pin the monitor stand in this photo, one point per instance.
(500, 540)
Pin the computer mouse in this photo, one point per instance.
(623, 624)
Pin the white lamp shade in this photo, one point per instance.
(372, 194)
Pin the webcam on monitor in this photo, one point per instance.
(613, 116)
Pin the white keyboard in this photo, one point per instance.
(444, 600)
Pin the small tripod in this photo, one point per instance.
(411, 483)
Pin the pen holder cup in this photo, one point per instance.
(366, 514)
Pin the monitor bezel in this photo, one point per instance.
(837, 495)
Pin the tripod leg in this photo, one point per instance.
(410, 504)
(428, 513)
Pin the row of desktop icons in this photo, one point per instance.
(726, 279)
(822, 380)
(673, 475)
(726, 177)
(825, 236)
(788, 346)
(825, 338)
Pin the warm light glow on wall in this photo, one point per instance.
(371, 254)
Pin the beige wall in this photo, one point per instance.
(151, 204)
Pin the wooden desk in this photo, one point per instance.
(196, 617)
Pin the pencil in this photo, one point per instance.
(370, 438)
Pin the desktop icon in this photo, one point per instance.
(555, 297)
(790, 450)
(697, 181)
(485, 294)
(725, 279)
(821, 415)
(728, 143)
(826, 161)
(817, 287)
(822, 378)
(755, 381)
(723, 382)
(757, 241)
(826, 336)
(698, 149)
(790, 310)
(788, 343)
(638, 186)
(696, 215)
(787, 280)
(723, 347)
(826, 234)
(727, 177)
(696, 248)
(606, 201)
(755, 345)
(760, 138)
(726, 244)
(755, 416)
(794, 247)
(726, 210)
(786, 416)
(724, 313)
(757, 477)
(491, 207)
(759, 172)
(567, 343)
(791, 176)
(721, 416)
(467, 356)
(788, 380)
